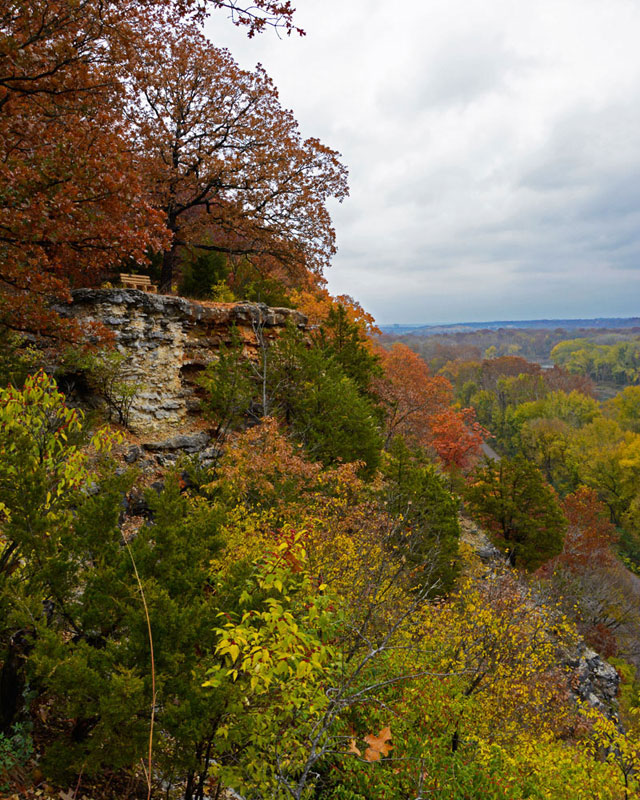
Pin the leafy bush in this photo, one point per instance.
(204, 276)
(304, 386)
(105, 375)
(16, 748)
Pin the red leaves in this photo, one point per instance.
(226, 163)
(261, 14)
(419, 408)
(72, 202)
(590, 533)
(457, 437)
(75, 199)
(409, 393)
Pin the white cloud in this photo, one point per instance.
(493, 150)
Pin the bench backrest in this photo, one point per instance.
(137, 281)
(141, 279)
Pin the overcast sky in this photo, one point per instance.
(493, 148)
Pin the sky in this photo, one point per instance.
(493, 151)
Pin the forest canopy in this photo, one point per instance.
(391, 571)
(108, 159)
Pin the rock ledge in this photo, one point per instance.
(168, 341)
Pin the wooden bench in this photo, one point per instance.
(142, 282)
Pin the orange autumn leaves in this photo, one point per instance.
(226, 163)
(72, 201)
(124, 132)
(317, 305)
(591, 535)
(419, 407)
(379, 746)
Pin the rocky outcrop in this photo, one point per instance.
(167, 342)
(591, 679)
(594, 680)
(476, 539)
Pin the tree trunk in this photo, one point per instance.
(168, 265)
(170, 256)
(12, 680)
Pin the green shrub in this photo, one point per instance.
(204, 276)
(105, 373)
(16, 748)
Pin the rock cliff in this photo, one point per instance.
(592, 679)
(167, 341)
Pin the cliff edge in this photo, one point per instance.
(167, 341)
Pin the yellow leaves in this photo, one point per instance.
(279, 639)
(106, 439)
(500, 645)
(559, 771)
(4, 512)
(35, 428)
(303, 669)
(621, 749)
(214, 680)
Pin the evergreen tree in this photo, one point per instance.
(520, 510)
(344, 341)
(322, 404)
(416, 491)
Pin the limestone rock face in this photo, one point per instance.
(168, 341)
(594, 679)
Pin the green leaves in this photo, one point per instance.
(278, 657)
(520, 510)
(324, 407)
(280, 637)
(42, 467)
(229, 385)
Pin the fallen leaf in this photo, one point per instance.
(353, 748)
(378, 745)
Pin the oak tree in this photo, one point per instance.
(72, 199)
(226, 164)
(409, 394)
(457, 438)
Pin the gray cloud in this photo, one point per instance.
(493, 151)
(466, 69)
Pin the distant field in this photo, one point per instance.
(610, 355)
(610, 323)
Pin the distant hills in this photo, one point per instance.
(609, 323)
